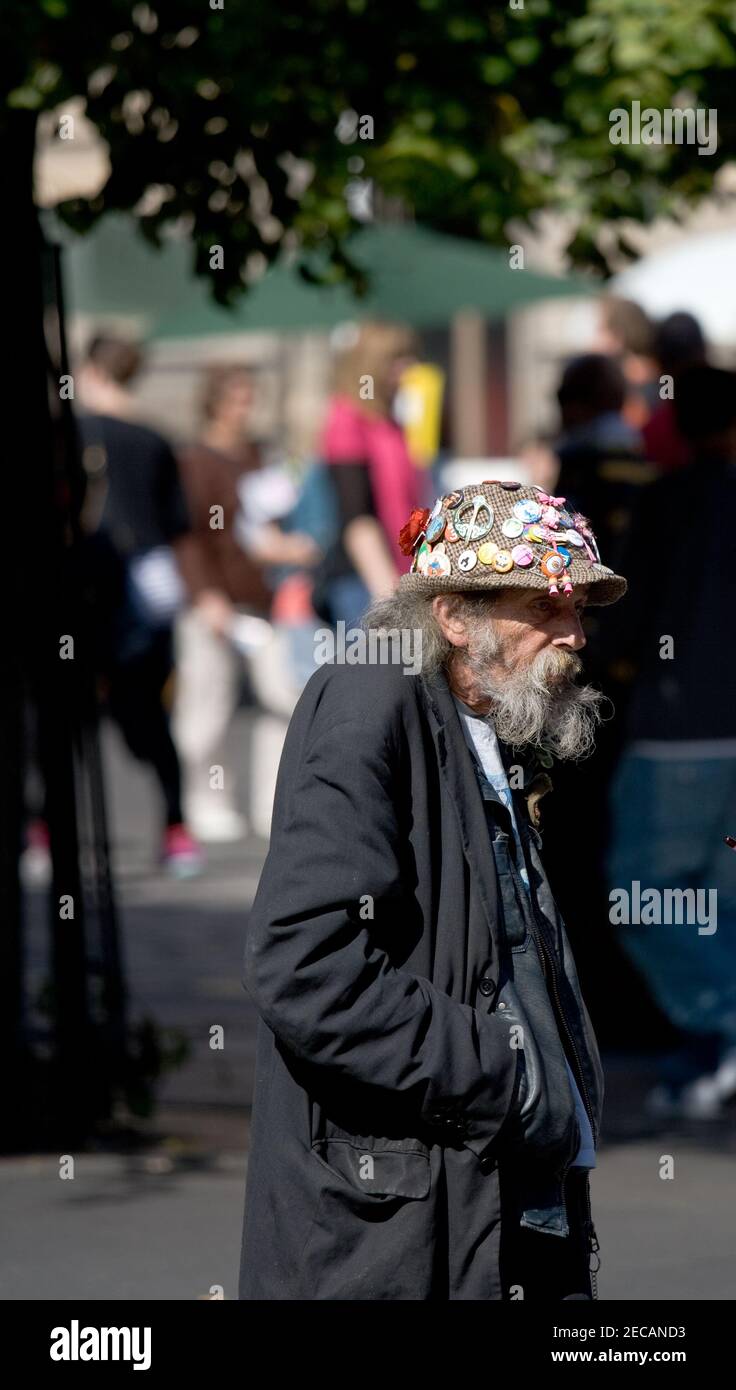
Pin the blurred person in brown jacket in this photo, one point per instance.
(234, 553)
(626, 333)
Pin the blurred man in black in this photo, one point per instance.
(135, 508)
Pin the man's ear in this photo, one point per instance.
(451, 622)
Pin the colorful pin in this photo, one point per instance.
(552, 564)
(503, 562)
(512, 527)
(522, 555)
(438, 564)
(467, 560)
(527, 510)
(421, 558)
(435, 528)
(487, 552)
(474, 529)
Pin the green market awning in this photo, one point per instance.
(416, 276)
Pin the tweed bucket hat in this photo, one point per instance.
(502, 535)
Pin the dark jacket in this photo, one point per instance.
(673, 631)
(391, 1093)
(603, 475)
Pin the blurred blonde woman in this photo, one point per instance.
(375, 482)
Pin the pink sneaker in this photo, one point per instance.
(180, 853)
(35, 864)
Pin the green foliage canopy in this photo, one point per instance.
(480, 112)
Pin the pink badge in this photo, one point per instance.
(522, 555)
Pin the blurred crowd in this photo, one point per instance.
(215, 563)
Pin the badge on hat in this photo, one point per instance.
(467, 518)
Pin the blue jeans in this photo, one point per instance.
(348, 600)
(668, 819)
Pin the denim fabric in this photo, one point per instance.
(543, 1271)
(668, 819)
(348, 599)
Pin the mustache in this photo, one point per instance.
(540, 703)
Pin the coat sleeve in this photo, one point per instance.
(315, 969)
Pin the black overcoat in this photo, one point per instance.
(384, 1073)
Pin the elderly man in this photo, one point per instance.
(428, 1085)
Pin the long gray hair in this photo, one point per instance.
(408, 611)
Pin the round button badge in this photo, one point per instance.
(512, 527)
(552, 564)
(467, 560)
(422, 558)
(527, 511)
(439, 562)
(522, 555)
(503, 562)
(435, 528)
(487, 552)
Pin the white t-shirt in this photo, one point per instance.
(481, 736)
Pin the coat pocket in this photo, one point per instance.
(378, 1167)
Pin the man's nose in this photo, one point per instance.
(570, 632)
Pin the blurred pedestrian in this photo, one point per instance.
(602, 467)
(626, 333)
(602, 475)
(678, 344)
(234, 505)
(375, 481)
(674, 793)
(135, 510)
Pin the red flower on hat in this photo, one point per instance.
(414, 527)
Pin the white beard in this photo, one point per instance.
(538, 704)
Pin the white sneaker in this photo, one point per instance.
(218, 827)
(701, 1099)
